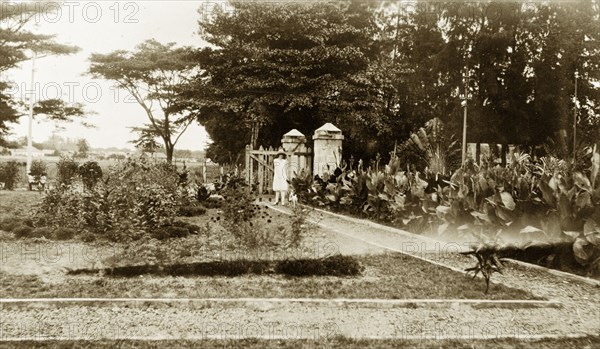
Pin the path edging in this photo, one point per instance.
(271, 302)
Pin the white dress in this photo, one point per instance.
(280, 175)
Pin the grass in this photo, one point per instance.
(588, 342)
(388, 276)
(18, 204)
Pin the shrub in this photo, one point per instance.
(10, 223)
(67, 171)
(39, 232)
(87, 236)
(38, 168)
(299, 226)
(178, 229)
(240, 212)
(10, 174)
(23, 231)
(136, 197)
(64, 233)
(202, 193)
(331, 266)
(90, 173)
(337, 265)
(191, 210)
(213, 202)
(171, 232)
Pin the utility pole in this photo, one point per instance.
(575, 121)
(465, 97)
(30, 125)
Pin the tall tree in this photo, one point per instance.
(151, 74)
(523, 58)
(17, 43)
(273, 67)
(83, 148)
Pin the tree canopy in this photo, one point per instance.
(151, 74)
(378, 71)
(17, 44)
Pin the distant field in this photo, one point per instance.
(213, 171)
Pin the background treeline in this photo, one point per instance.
(380, 71)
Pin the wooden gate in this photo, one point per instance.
(259, 166)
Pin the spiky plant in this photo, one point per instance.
(488, 263)
(429, 147)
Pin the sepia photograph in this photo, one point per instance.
(263, 174)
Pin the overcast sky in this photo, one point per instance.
(104, 26)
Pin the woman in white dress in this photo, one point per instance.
(280, 184)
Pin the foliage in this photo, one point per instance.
(38, 168)
(253, 87)
(337, 265)
(16, 43)
(240, 213)
(58, 110)
(82, 148)
(394, 70)
(299, 226)
(429, 149)
(331, 266)
(488, 263)
(67, 170)
(192, 210)
(10, 174)
(146, 140)
(151, 73)
(90, 173)
(133, 199)
(526, 201)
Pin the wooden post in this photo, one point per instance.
(261, 173)
(248, 166)
(478, 152)
(503, 151)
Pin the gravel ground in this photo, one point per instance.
(579, 315)
(265, 321)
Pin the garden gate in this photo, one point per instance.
(259, 162)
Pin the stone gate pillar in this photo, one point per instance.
(327, 149)
(294, 142)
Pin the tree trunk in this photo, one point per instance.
(503, 154)
(169, 151)
(478, 153)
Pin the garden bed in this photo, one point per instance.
(386, 276)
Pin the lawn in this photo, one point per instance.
(387, 276)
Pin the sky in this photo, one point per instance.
(101, 27)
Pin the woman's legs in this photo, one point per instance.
(283, 197)
(277, 194)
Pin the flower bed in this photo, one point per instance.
(521, 204)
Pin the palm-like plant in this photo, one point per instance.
(488, 263)
(431, 148)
